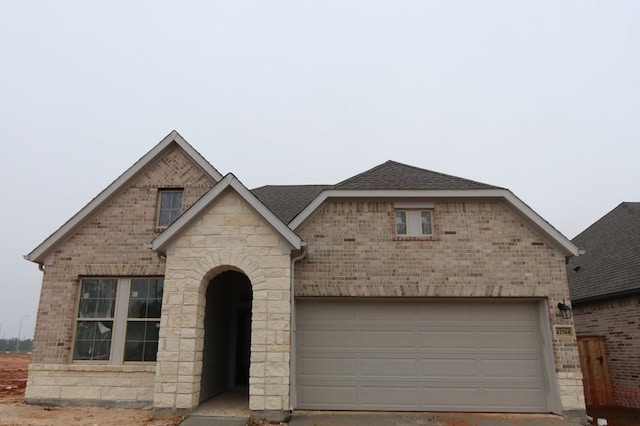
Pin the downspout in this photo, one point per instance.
(292, 351)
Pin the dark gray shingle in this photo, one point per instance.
(286, 201)
(611, 264)
(393, 175)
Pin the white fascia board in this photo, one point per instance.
(554, 235)
(39, 253)
(162, 241)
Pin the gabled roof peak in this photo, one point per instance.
(39, 254)
(394, 175)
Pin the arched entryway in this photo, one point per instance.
(227, 335)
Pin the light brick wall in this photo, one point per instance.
(479, 249)
(230, 236)
(619, 321)
(112, 242)
(125, 386)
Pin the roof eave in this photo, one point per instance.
(608, 296)
(39, 254)
(558, 240)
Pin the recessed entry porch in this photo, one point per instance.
(224, 382)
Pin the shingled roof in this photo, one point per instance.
(611, 265)
(286, 201)
(393, 175)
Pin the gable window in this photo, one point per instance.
(118, 319)
(169, 206)
(414, 223)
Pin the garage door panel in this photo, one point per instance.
(386, 339)
(444, 339)
(448, 367)
(508, 339)
(394, 355)
(327, 338)
(406, 397)
(515, 368)
(372, 367)
(511, 399)
(328, 366)
(336, 396)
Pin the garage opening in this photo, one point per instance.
(227, 335)
(420, 355)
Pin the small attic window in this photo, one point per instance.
(169, 206)
(413, 223)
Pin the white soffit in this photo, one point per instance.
(162, 241)
(555, 237)
(38, 254)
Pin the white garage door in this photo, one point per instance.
(413, 356)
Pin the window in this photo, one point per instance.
(414, 223)
(169, 206)
(118, 319)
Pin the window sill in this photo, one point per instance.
(416, 238)
(101, 368)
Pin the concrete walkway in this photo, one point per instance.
(424, 419)
(214, 421)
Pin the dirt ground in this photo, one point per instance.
(13, 410)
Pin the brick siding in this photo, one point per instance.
(112, 242)
(619, 321)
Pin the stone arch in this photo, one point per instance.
(227, 260)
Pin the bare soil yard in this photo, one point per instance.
(13, 410)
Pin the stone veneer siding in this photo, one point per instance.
(129, 386)
(230, 236)
(619, 321)
(478, 249)
(113, 242)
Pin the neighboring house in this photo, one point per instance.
(397, 289)
(605, 293)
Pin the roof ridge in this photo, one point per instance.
(378, 173)
(362, 173)
(293, 185)
(439, 173)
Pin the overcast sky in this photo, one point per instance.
(541, 97)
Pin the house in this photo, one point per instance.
(605, 293)
(397, 289)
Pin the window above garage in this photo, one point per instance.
(414, 219)
(414, 223)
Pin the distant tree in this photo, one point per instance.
(9, 345)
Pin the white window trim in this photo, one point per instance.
(120, 319)
(414, 222)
